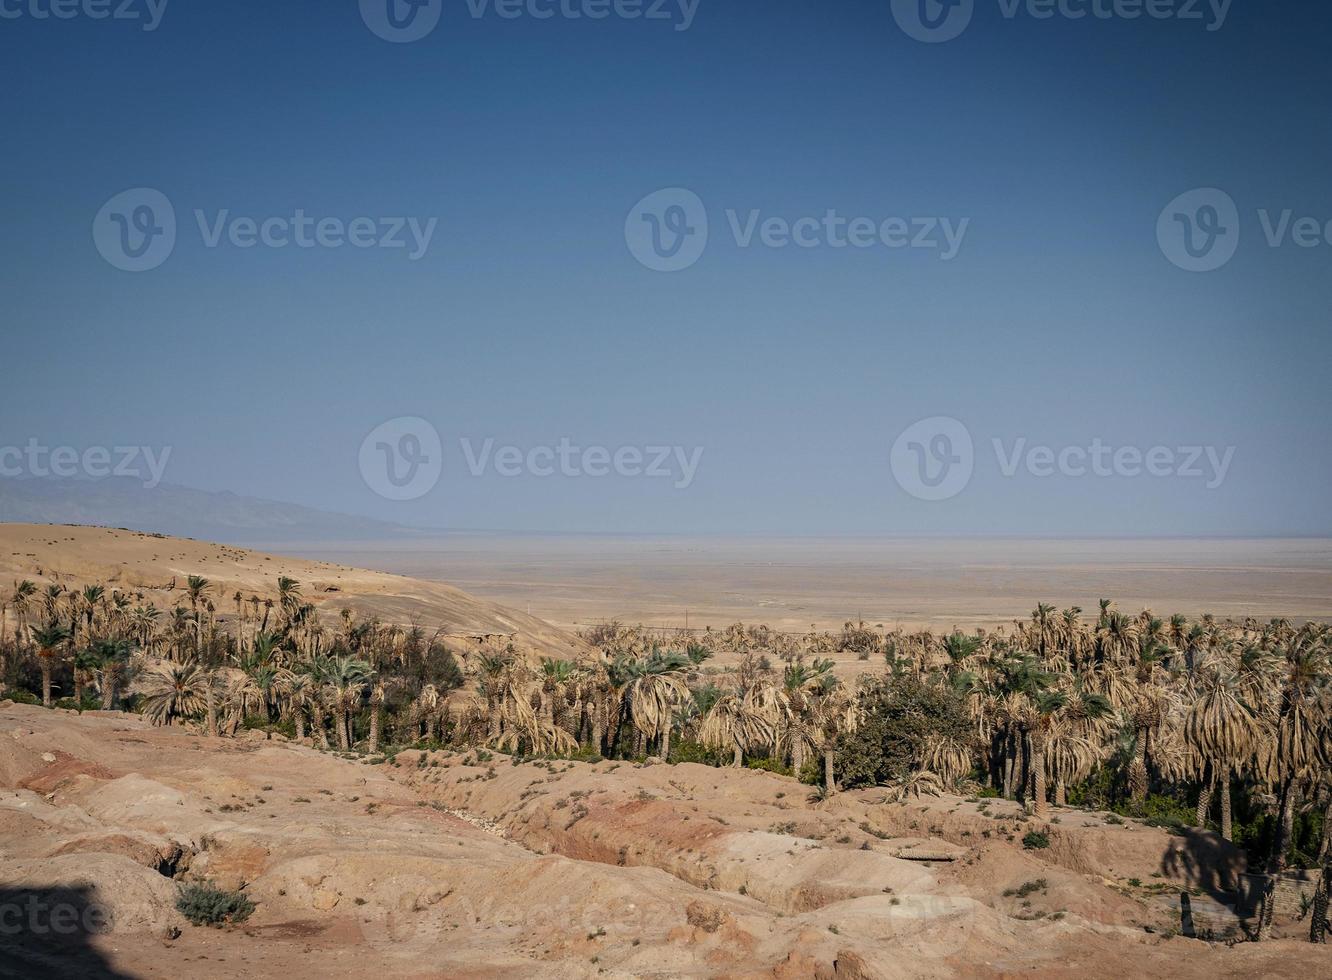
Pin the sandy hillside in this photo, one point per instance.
(158, 567)
(450, 865)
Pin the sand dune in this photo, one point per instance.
(158, 566)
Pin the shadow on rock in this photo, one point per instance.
(49, 932)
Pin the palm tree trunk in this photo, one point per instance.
(666, 744)
(1061, 791)
(1325, 843)
(1042, 806)
(1205, 803)
(210, 704)
(739, 758)
(1225, 804)
(46, 682)
(78, 688)
(299, 716)
(1318, 923)
(599, 727)
(108, 691)
(829, 776)
(1137, 776)
(493, 714)
(1276, 862)
(373, 744)
(317, 716)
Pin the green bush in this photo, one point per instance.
(206, 905)
(1159, 810)
(769, 765)
(901, 713)
(687, 750)
(1034, 840)
(20, 696)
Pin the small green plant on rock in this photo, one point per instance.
(1034, 840)
(207, 905)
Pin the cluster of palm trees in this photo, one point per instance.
(1199, 709)
(1188, 709)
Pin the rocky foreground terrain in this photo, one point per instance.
(467, 865)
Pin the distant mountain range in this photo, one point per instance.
(179, 511)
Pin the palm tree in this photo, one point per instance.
(289, 597)
(297, 691)
(836, 713)
(1223, 730)
(735, 723)
(23, 593)
(319, 670)
(49, 639)
(1300, 745)
(113, 656)
(20, 600)
(556, 676)
(378, 694)
(344, 687)
(1045, 706)
(197, 588)
(171, 690)
(86, 663)
(90, 598)
(655, 689)
(491, 665)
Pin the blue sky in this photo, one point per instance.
(528, 320)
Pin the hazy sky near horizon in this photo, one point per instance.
(1050, 147)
